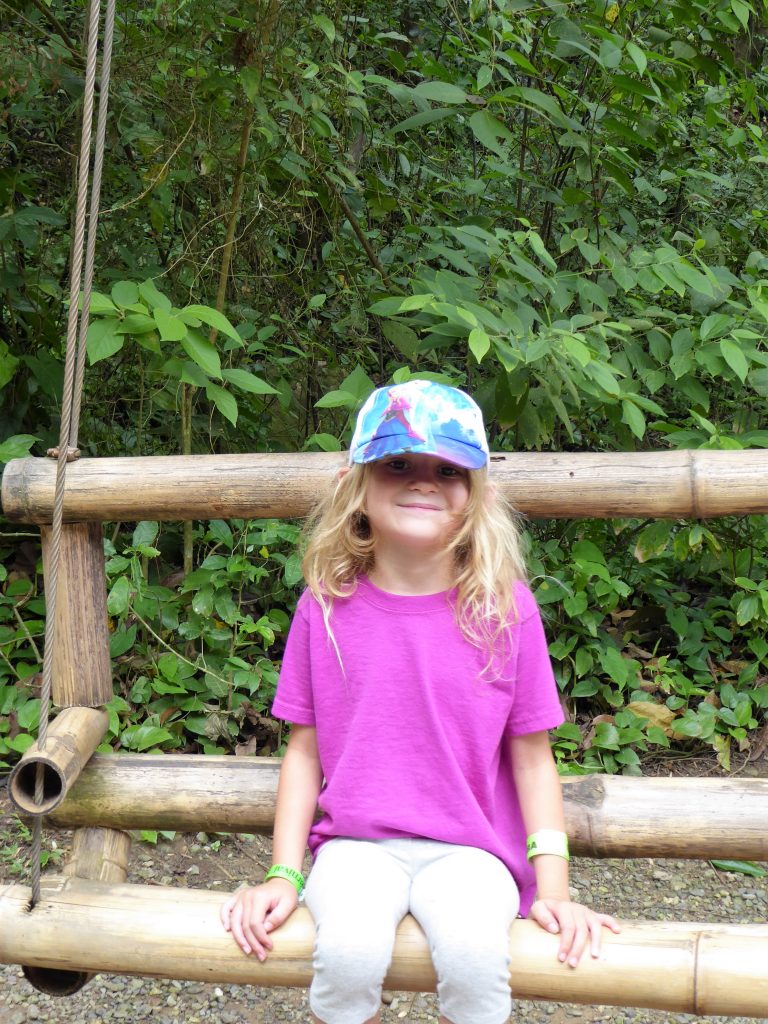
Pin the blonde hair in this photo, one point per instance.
(486, 552)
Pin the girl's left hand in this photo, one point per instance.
(576, 925)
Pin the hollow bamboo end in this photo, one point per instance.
(22, 785)
(55, 982)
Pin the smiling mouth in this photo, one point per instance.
(423, 507)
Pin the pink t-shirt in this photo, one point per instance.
(411, 735)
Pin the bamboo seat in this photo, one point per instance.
(175, 933)
(91, 920)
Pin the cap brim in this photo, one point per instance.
(455, 452)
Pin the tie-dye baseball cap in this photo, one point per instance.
(423, 417)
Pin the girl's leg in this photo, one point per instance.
(357, 894)
(465, 900)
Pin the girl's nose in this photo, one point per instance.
(423, 478)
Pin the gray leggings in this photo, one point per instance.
(463, 898)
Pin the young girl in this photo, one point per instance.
(417, 677)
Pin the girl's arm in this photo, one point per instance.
(541, 802)
(251, 914)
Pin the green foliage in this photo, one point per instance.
(194, 656)
(648, 651)
(15, 841)
(559, 206)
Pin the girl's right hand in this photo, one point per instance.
(251, 914)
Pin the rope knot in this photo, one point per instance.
(73, 454)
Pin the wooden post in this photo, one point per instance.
(82, 674)
(176, 933)
(607, 816)
(671, 484)
(72, 738)
(98, 854)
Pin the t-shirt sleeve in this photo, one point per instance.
(293, 700)
(536, 705)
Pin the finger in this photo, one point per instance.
(567, 933)
(257, 939)
(225, 912)
(578, 943)
(596, 925)
(544, 917)
(236, 927)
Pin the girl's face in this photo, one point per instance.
(415, 500)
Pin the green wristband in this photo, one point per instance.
(281, 871)
(547, 840)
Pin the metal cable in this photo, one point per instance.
(76, 272)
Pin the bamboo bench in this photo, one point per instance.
(89, 920)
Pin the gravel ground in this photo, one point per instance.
(648, 889)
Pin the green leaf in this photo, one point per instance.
(325, 442)
(633, 417)
(484, 76)
(544, 103)
(742, 10)
(103, 340)
(119, 596)
(326, 26)
(100, 304)
(249, 382)
(637, 55)
(202, 352)
(742, 867)
(28, 714)
(695, 279)
(125, 293)
(603, 377)
(142, 737)
(406, 340)
(479, 343)
(137, 323)
(145, 533)
(715, 326)
(425, 117)
(440, 92)
(171, 328)
(213, 318)
(224, 401)
(735, 358)
(653, 540)
(606, 736)
(16, 447)
(489, 131)
(154, 298)
(336, 400)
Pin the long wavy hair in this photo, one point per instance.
(487, 558)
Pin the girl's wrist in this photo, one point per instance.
(288, 874)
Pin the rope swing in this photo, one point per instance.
(74, 366)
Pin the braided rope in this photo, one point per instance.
(71, 397)
(93, 216)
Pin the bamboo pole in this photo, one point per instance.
(72, 738)
(672, 484)
(82, 674)
(175, 933)
(98, 854)
(607, 816)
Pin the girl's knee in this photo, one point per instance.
(350, 966)
(352, 959)
(473, 981)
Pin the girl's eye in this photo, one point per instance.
(398, 464)
(450, 471)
